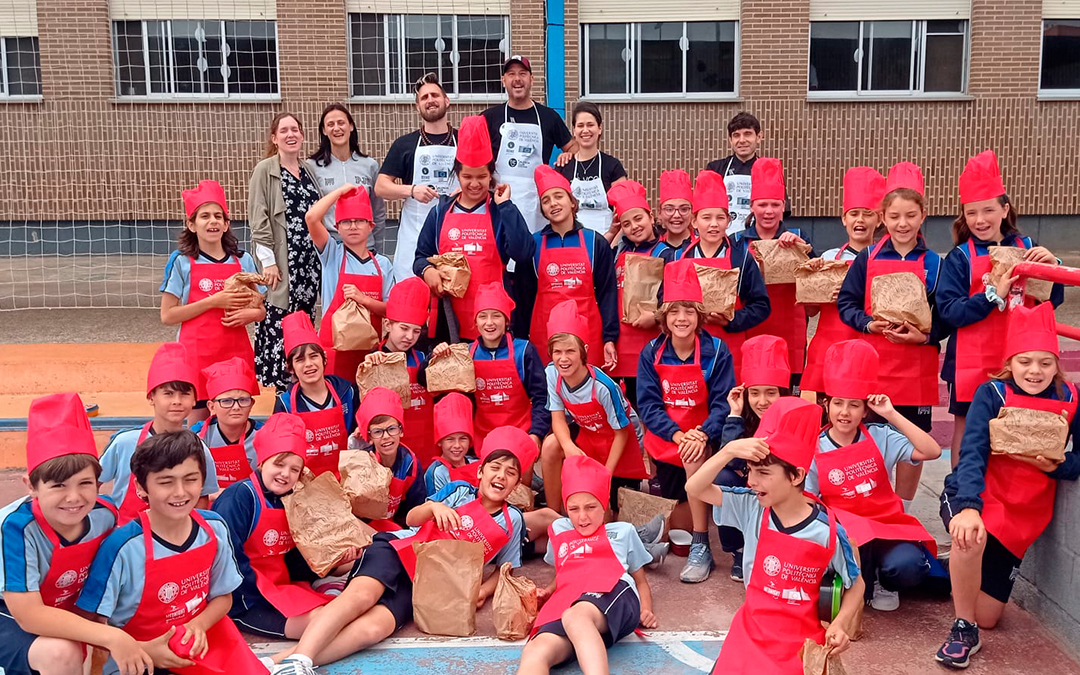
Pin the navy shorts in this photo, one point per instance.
(381, 562)
(999, 565)
(262, 618)
(672, 479)
(15, 647)
(621, 607)
(957, 407)
(919, 415)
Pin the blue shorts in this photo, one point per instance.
(15, 645)
(381, 562)
(957, 407)
(262, 618)
(621, 607)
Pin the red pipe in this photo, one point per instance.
(1058, 274)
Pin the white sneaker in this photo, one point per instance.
(294, 665)
(884, 600)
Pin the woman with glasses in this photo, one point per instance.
(592, 173)
(230, 431)
(339, 161)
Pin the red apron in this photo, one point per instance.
(501, 399)
(686, 401)
(582, 565)
(830, 330)
(854, 483)
(781, 608)
(471, 234)
(734, 341)
(206, 340)
(980, 349)
(631, 340)
(596, 435)
(326, 433)
(399, 487)
(467, 472)
(420, 417)
(1018, 501)
(230, 461)
(69, 565)
(175, 591)
(476, 525)
(787, 320)
(566, 274)
(344, 364)
(907, 373)
(133, 505)
(266, 546)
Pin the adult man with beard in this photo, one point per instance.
(423, 162)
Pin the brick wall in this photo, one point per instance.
(775, 48)
(1005, 43)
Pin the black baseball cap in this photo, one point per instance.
(517, 58)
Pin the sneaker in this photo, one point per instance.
(659, 552)
(330, 585)
(963, 643)
(736, 566)
(651, 531)
(884, 600)
(294, 665)
(698, 564)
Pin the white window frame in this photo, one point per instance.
(918, 60)
(633, 68)
(1053, 94)
(389, 96)
(171, 71)
(6, 86)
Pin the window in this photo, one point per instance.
(389, 52)
(643, 60)
(196, 59)
(1060, 70)
(20, 67)
(888, 57)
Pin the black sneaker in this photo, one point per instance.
(736, 566)
(963, 643)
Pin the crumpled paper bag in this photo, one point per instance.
(322, 523)
(818, 283)
(447, 586)
(352, 329)
(513, 606)
(453, 372)
(248, 283)
(819, 660)
(522, 497)
(454, 272)
(1023, 432)
(719, 289)
(1002, 258)
(778, 263)
(642, 276)
(900, 297)
(638, 508)
(366, 483)
(393, 374)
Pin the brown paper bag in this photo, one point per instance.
(453, 269)
(352, 329)
(522, 497)
(642, 276)
(819, 660)
(322, 523)
(719, 289)
(1023, 432)
(247, 282)
(818, 284)
(447, 586)
(638, 508)
(366, 483)
(513, 606)
(393, 374)
(778, 263)
(453, 372)
(1002, 258)
(900, 297)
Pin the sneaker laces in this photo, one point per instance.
(699, 555)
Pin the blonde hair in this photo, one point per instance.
(666, 307)
(1006, 374)
(557, 337)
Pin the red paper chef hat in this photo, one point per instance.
(851, 370)
(675, 184)
(791, 426)
(767, 179)
(564, 318)
(626, 195)
(765, 362)
(474, 142)
(56, 426)
(409, 301)
(709, 191)
(297, 330)
(235, 373)
(353, 205)
(513, 439)
(863, 188)
(378, 401)
(282, 432)
(206, 191)
(681, 282)
(905, 175)
(581, 473)
(1032, 329)
(454, 415)
(170, 364)
(547, 179)
(493, 296)
(981, 178)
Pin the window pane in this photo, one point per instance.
(23, 66)
(660, 58)
(833, 48)
(367, 54)
(710, 56)
(944, 63)
(606, 67)
(252, 57)
(480, 54)
(945, 26)
(428, 40)
(1061, 55)
(890, 58)
(130, 67)
(157, 47)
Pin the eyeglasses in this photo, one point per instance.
(352, 224)
(670, 210)
(392, 431)
(243, 402)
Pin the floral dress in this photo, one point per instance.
(305, 273)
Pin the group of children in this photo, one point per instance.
(700, 403)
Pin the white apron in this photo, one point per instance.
(738, 189)
(520, 152)
(433, 165)
(594, 212)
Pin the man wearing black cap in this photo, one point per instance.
(523, 135)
